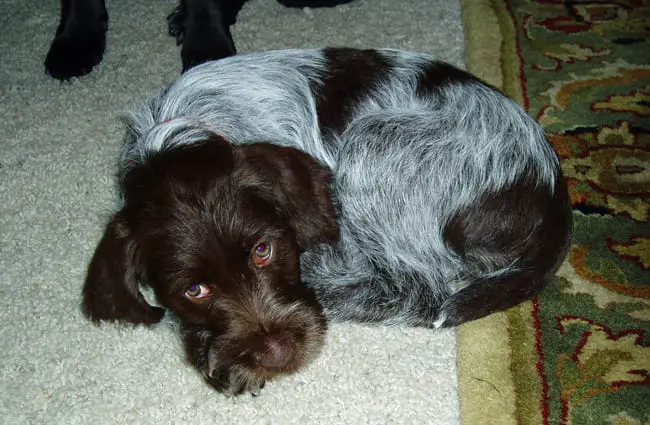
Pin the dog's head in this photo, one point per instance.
(217, 230)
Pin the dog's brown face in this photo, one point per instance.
(217, 230)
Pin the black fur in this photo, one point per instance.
(202, 27)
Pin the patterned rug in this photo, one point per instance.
(580, 352)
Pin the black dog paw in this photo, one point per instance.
(203, 46)
(203, 39)
(75, 53)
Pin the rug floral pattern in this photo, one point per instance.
(583, 70)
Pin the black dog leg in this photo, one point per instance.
(203, 28)
(80, 39)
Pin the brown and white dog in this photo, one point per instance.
(268, 192)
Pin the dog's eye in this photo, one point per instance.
(197, 291)
(262, 253)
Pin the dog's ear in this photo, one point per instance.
(299, 187)
(111, 288)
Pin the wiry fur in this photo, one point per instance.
(471, 140)
(449, 201)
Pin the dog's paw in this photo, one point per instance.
(198, 48)
(75, 53)
(231, 383)
(205, 353)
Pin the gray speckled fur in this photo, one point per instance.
(403, 166)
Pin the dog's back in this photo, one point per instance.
(451, 201)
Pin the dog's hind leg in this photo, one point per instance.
(526, 226)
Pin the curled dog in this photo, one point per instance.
(266, 193)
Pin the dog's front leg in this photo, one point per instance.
(203, 28)
(202, 350)
(80, 39)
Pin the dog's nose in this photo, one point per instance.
(278, 351)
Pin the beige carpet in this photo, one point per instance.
(59, 146)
